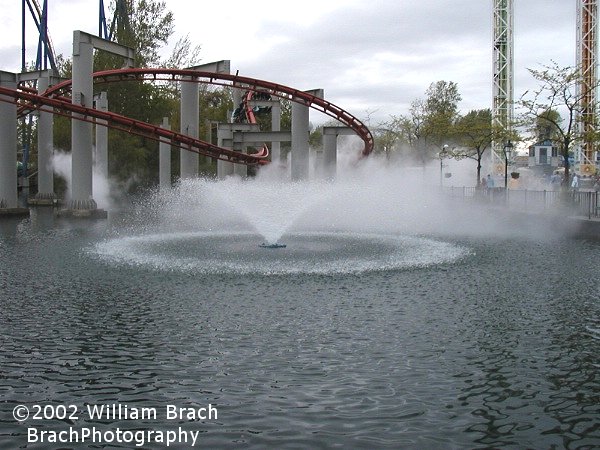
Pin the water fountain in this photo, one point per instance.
(352, 225)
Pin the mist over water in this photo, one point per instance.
(368, 197)
(101, 186)
(373, 216)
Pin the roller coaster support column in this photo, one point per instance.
(101, 161)
(241, 170)
(330, 135)
(232, 136)
(81, 132)
(190, 118)
(45, 135)
(190, 114)
(300, 150)
(45, 145)
(276, 126)
(8, 149)
(300, 135)
(164, 160)
(225, 168)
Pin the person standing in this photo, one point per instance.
(575, 182)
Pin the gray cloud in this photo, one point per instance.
(366, 55)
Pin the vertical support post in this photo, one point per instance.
(45, 135)
(329, 155)
(101, 161)
(190, 118)
(164, 160)
(276, 126)
(101, 156)
(81, 132)
(225, 168)
(8, 145)
(240, 170)
(300, 135)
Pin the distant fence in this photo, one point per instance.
(581, 203)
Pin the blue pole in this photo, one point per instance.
(23, 37)
(102, 28)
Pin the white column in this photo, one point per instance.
(329, 155)
(224, 168)
(190, 118)
(102, 137)
(276, 126)
(45, 135)
(300, 135)
(164, 160)
(239, 169)
(8, 146)
(81, 132)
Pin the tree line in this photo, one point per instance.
(434, 126)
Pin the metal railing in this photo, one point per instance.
(580, 203)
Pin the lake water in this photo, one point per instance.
(339, 340)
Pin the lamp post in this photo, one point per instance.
(442, 154)
(508, 147)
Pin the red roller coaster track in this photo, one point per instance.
(56, 100)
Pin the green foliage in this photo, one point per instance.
(474, 133)
(145, 26)
(429, 124)
(546, 126)
(557, 105)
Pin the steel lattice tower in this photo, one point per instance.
(587, 57)
(503, 73)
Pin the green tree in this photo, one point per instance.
(145, 26)
(429, 124)
(441, 111)
(545, 128)
(557, 105)
(474, 134)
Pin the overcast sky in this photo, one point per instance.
(372, 58)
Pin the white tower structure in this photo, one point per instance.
(587, 60)
(503, 74)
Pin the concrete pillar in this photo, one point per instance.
(81, 132)
(329, 155)
(300, 135)
(8, 146)
(102, 137)
(164, 160)
(239, 169)
(45, 135)
(190, 118)
(225, 168)
(276, 126)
